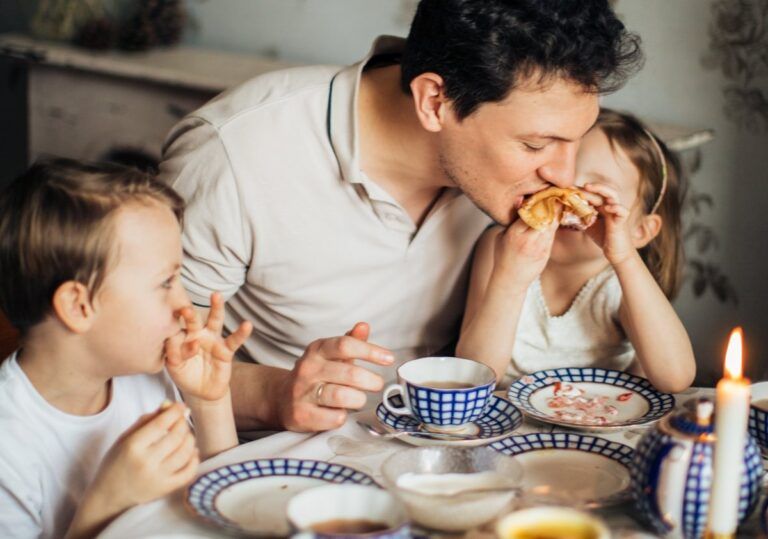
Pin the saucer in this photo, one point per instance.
(589, 399)
(591, 471)
(251, 497)
(499, 420)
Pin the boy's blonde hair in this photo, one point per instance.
(56, 225)
(664, 254)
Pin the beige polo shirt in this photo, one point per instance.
(282, 221)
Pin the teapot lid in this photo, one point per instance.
(696, 419)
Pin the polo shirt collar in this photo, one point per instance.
(343, 113)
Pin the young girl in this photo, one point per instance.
(597, 298)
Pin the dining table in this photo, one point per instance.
(352, 445)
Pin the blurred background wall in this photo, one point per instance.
(704, 69)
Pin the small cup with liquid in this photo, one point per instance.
(758, 415)
(443, 393)
(345, 510)
(551, 523)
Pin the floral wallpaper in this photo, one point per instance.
(739, 48)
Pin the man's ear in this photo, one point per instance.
(72, 305)
(646, 230)
(430, 102)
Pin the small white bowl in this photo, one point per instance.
(346, 503)
(449, 494)
(551, 522)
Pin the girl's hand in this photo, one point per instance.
(521, 253)
(154, 457)
(198, 359)
(615, 236)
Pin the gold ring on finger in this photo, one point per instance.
(319, 392)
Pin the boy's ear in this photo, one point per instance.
(429, 100)
(72, 305)
(646, 230)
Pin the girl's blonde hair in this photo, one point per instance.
(664, 254)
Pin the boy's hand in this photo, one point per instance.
(614, 237)
(521, 253)
(198, 359)
(154, 457)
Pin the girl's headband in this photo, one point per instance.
(663, 171)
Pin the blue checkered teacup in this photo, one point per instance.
(758, 415)
(444, 393)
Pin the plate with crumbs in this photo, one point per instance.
(589, 399)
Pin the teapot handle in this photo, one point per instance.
(663, 503)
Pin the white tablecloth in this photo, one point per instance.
(349, 445)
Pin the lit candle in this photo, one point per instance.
(731, 411)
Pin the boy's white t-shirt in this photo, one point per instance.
(48, 457)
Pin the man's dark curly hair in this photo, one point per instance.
(483, 48)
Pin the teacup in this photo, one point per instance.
(758, 415)
(443, 393)
(550, 523)
(336, 511)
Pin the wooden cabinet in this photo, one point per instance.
(84, 104)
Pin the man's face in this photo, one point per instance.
(504, 151)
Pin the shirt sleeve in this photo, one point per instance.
(217, 249)
(20, 505)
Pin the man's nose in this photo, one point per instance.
(561, 169)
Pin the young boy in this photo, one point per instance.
(89, 259)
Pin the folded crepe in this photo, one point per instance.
(562, 205)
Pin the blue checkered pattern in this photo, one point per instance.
(645, 468)
(764, 516)
(202, 494)
(501, 418)
(520, 392)
(448, 407)
(623, 454)
(758, 427)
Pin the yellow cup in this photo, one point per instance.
(550, 523)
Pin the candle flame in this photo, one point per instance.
(733, 368)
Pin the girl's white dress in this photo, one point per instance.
(588, 334)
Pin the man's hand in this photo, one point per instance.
(325, 382)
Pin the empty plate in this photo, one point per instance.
(251, 497)
(569, 468)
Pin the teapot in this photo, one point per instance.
(671, 473)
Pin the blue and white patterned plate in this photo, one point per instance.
(499, 420)
(589, 399)
(251, 497)
(571, 469)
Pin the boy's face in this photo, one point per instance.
(136, 309)
(506, 150)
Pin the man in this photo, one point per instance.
(321, 196)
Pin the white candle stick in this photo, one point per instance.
(731, 412)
